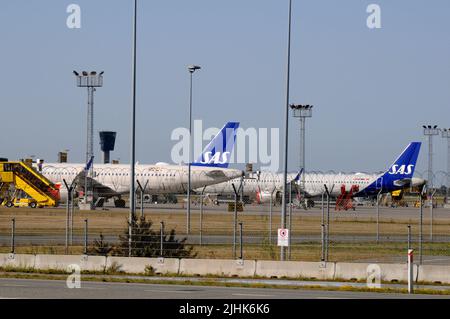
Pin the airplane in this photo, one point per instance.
(263, 185)
(112, 180)
(260, 185)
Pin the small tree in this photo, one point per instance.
(146, 242)
(100, 247)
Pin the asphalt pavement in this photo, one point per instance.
(57, 289)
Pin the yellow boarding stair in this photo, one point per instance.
(34, 184)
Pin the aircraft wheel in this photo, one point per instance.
(33, 205)
(9, 204)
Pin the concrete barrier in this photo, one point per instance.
(351, 271)
(86, 263)
(295, 269)
(218, 267)
(137, 265)
(396, 272)
(434, 274)
(17, 261)
(359, 271)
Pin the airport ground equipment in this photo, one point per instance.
(41, 191)
(345, 199)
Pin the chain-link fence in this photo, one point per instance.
(366, 234)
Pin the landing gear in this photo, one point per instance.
(119, 203)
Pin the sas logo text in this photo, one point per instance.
(216, 158)
(402, 170)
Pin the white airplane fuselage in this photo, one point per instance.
(162, 179)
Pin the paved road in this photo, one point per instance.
(50, 289)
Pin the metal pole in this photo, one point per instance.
(290, 220)
(448, 167)
(431, 214)
(85, 236)
(286, 132)
(162, 239)
(13, 236)
(241, 241)
(328, 228)
(421, 230)
(430, 161)
(323, 241)
(234, 221)
(270, 217)
(72, 206)
(71, 225)
(409, 237)
(142, 203)
(323, 207)
(410, 271)
(133, 135)
(201, 216)
(378, 217)
(67, 220)
(188, 215)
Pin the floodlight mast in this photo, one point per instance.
(192, 69)
(302, 112)
(91, 81)
(446, 135)
(430, 131)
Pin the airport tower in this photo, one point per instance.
(107, 143)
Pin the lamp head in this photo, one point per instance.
(193, 68)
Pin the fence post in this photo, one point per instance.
(234, 220)
(290, 221)
(410, 271)
(162, 239)
(323, 242)
(201, 216)
(421, 231)
(241, 241)
(86, 236)
(13, 236)
(409, 237)
(270, 216)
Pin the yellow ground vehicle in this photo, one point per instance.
(22, 202)
(39, 190)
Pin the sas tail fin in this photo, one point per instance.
(218, 152)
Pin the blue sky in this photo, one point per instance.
(372, 89)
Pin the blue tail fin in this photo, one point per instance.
(218, 152)
(405, 165)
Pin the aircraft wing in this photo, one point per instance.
(216, 174)
(99, 189)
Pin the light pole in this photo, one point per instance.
(91, 81)
(192, 69)
(302, 112)
(133, 135)
(430, 131)
(286, 128)
(446, 134)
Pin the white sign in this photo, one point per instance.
(283, 237)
